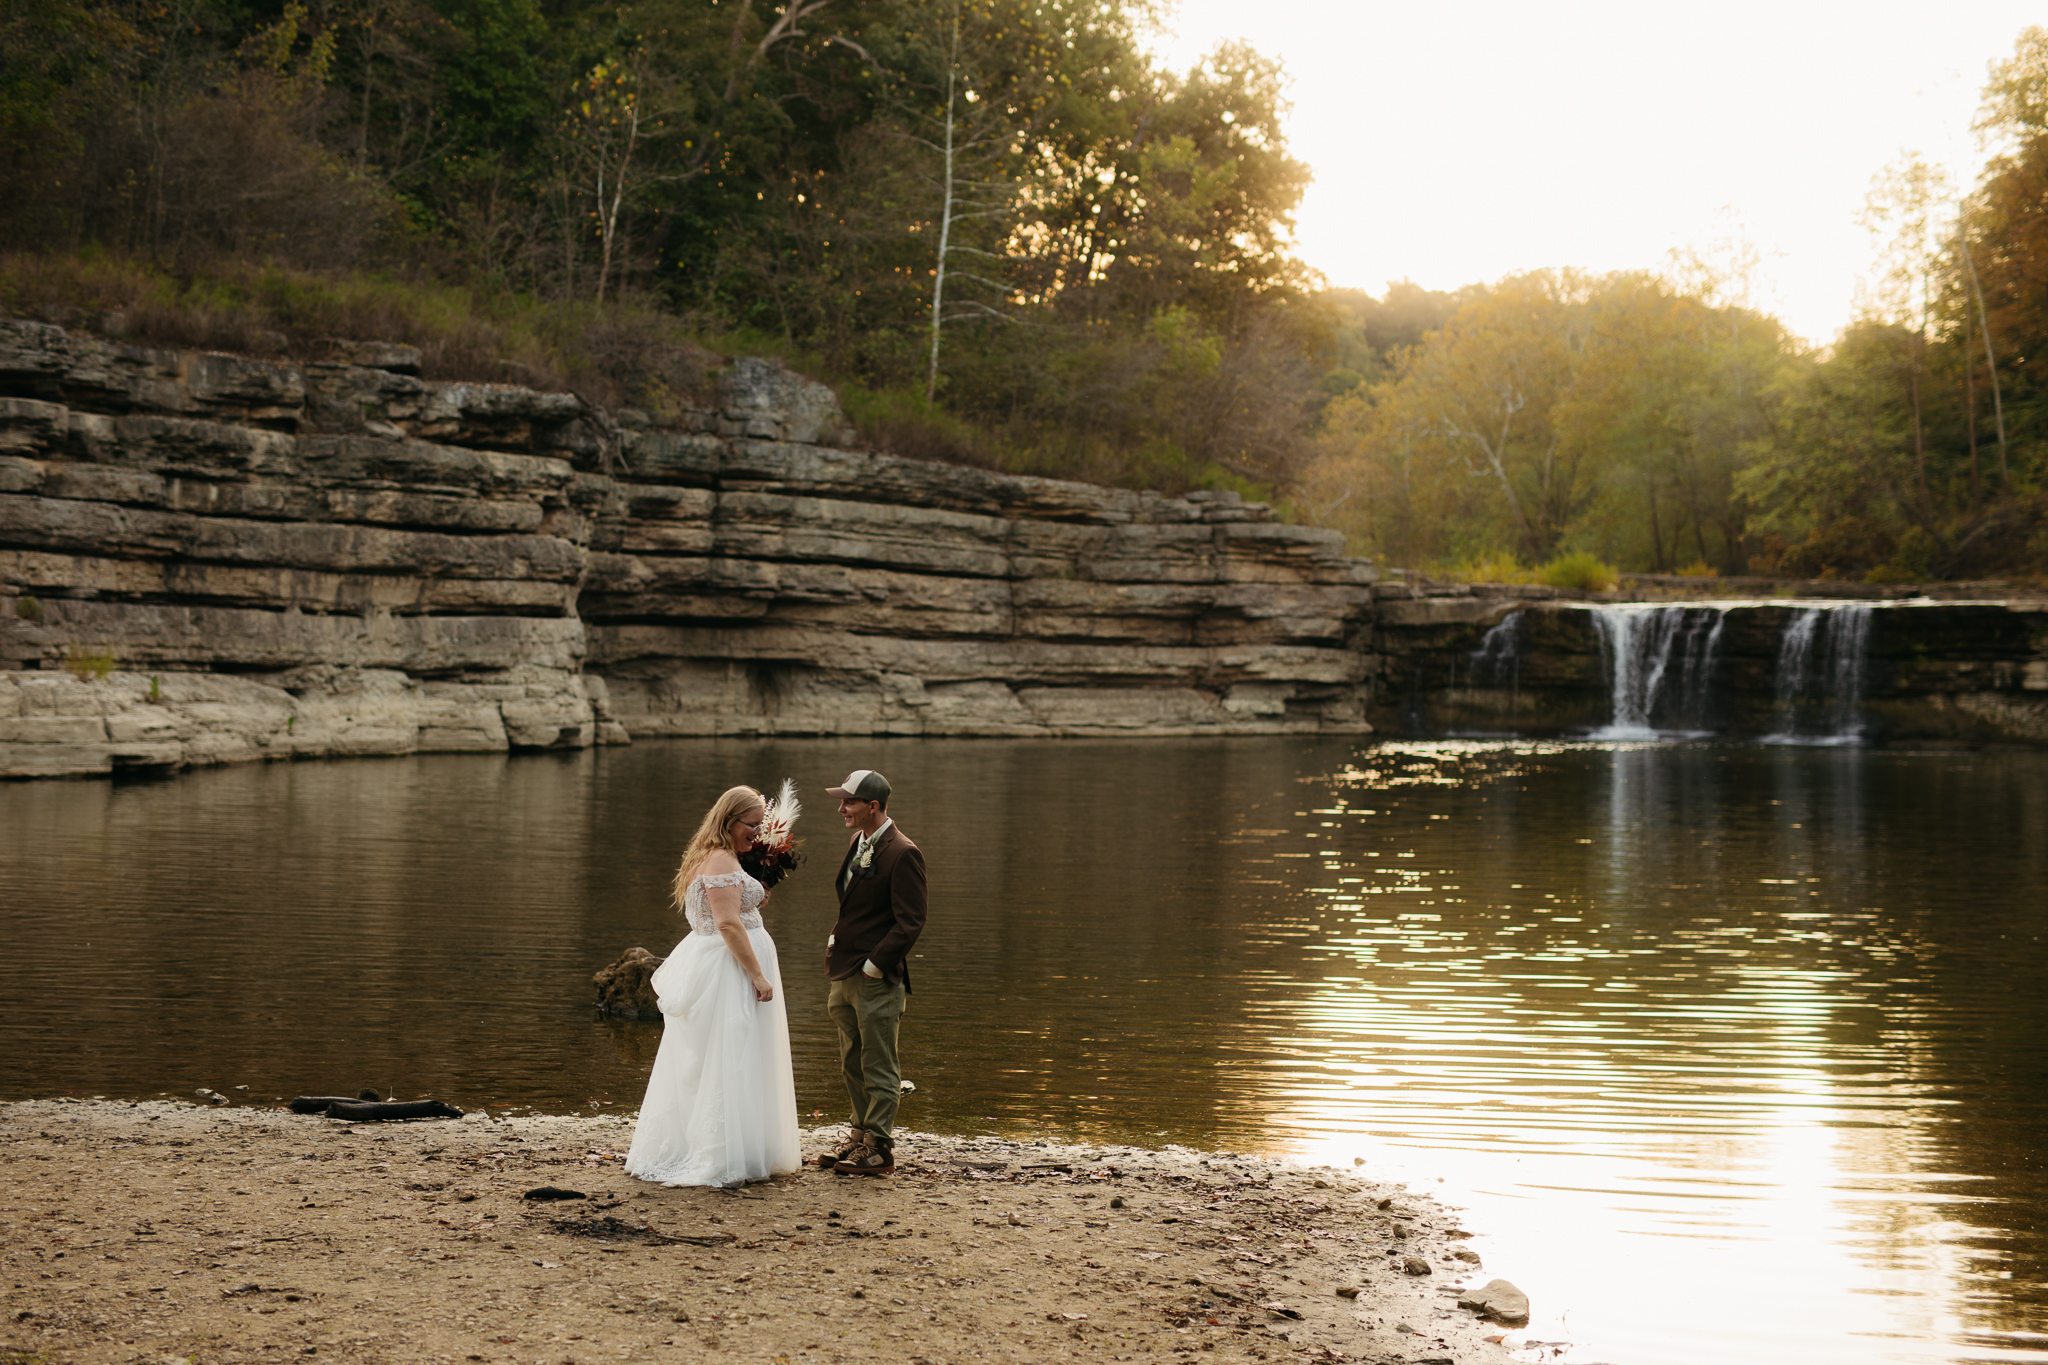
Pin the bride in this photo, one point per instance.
(721, 1104)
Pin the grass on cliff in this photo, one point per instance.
(620, 356)
(627, 354)
(1576, 570)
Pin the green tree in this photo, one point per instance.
(494, 86)
(1369, 333)
(1909, 210)
(62, 65)
(1557, 411)
(1833, 483)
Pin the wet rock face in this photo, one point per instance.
(1500, 659)
(206, 559)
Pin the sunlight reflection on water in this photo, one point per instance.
(1734, 1080)
(1733, 1051)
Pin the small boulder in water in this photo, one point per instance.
(626, 988)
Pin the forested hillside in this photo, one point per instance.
(1011, 237)
(1002, 225)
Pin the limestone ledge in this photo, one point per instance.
(53, 724)
(206, 558)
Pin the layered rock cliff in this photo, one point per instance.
(205, 558)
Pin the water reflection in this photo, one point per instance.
(1736, 1049)
(1704, 1015)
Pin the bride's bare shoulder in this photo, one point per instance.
(718, 865)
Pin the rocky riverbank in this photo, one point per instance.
(166, 1231)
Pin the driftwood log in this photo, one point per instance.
(366, 1107)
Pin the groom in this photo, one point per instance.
(881, 913)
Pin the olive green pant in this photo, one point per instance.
(866, 1012)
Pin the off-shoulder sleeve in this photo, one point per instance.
(725, 879)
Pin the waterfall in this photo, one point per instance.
(1498, 660)
(1661, 663)
(1821, 674)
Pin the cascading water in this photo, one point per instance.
(1683, 669)
(1822, 671)
(1498, 660)
(1661, 663)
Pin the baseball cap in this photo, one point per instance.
(862, 784)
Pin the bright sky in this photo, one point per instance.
(1460, 142)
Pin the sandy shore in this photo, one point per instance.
(167, 1232)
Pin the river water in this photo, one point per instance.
(1733, 1052)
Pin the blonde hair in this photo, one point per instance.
(714, 834)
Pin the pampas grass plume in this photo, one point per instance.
(780, 819)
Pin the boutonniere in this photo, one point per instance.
(865, 858)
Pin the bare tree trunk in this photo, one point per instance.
(608, 220)
(363, 126)
(1990, 359)
(600, 151)
(1495, 451)
(733, 66)
(931, 387)
(1656, 529)
(1731, 545)
(1970, 406)
(1694, 498)
(1920, 434)
(604, 241)
(569, 236)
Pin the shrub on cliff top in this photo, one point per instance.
(1498, 567)
(906, 423)
(1581, 570)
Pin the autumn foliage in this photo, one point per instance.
(1654, 422)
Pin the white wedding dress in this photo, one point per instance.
(721, 1104)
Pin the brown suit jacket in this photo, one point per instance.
(881, 911)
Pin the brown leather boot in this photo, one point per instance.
(869, 1160)
(855, 1141)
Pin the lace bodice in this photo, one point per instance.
(698, 909)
